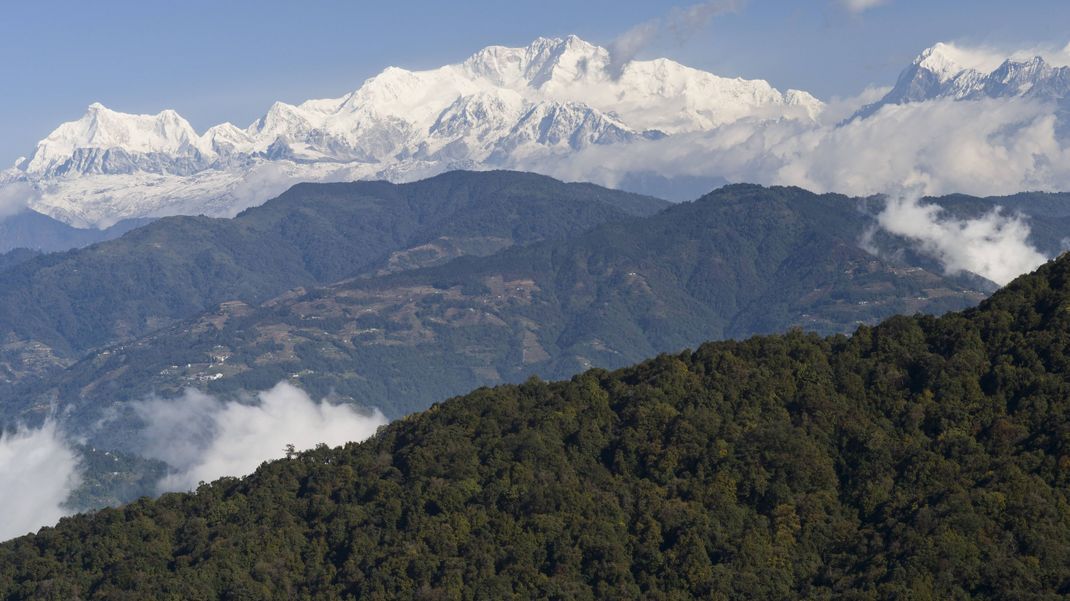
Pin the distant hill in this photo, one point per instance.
(32, 230)
(16, 257)
(924, 458)
(54, 308)
(461, 281)
(743, 260)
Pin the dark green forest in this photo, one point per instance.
(923, 458)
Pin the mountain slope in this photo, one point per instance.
(32, 230)
(922, 458)
(17, 256)
(741, 261)
(65, 304)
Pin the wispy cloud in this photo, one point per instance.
(858, 7)
(987, 58)
(680, 24)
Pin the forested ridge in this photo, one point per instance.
(742, 260)
(56, 307)
(924, 458)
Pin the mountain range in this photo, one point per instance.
(940, 72)
(585, 327)
(494, 109)
(394, 296)
(532, 108)
(56, 307)
(744, 260)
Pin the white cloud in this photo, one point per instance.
(838, 109)
(680, 23)
(15, 197)
(995, 245)
(204, 438)
(984, 148)
(1060, 57)
(38, 471)
(861, 6)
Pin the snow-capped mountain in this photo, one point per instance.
(562, 107)
(500, 108)
(947, 72)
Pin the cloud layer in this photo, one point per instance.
(203, 438)
(986, 147)
(38, 471)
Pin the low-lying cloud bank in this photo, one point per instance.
(203, 438)
(983, 147)
(38, 471)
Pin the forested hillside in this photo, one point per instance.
(924, 458)
(740, 261)
(56, 307)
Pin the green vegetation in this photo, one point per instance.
(177, 267)
(111, 478)
(741, 261)
(924, 458)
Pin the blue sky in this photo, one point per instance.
(219, 61)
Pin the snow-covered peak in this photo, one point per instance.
(227, 138)
(945, 61)
(281, 119)
(657, 94)
(538, 63)
(950, 71)
(102, 128)
(393, 113)
(806, 101)
(499, 108)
